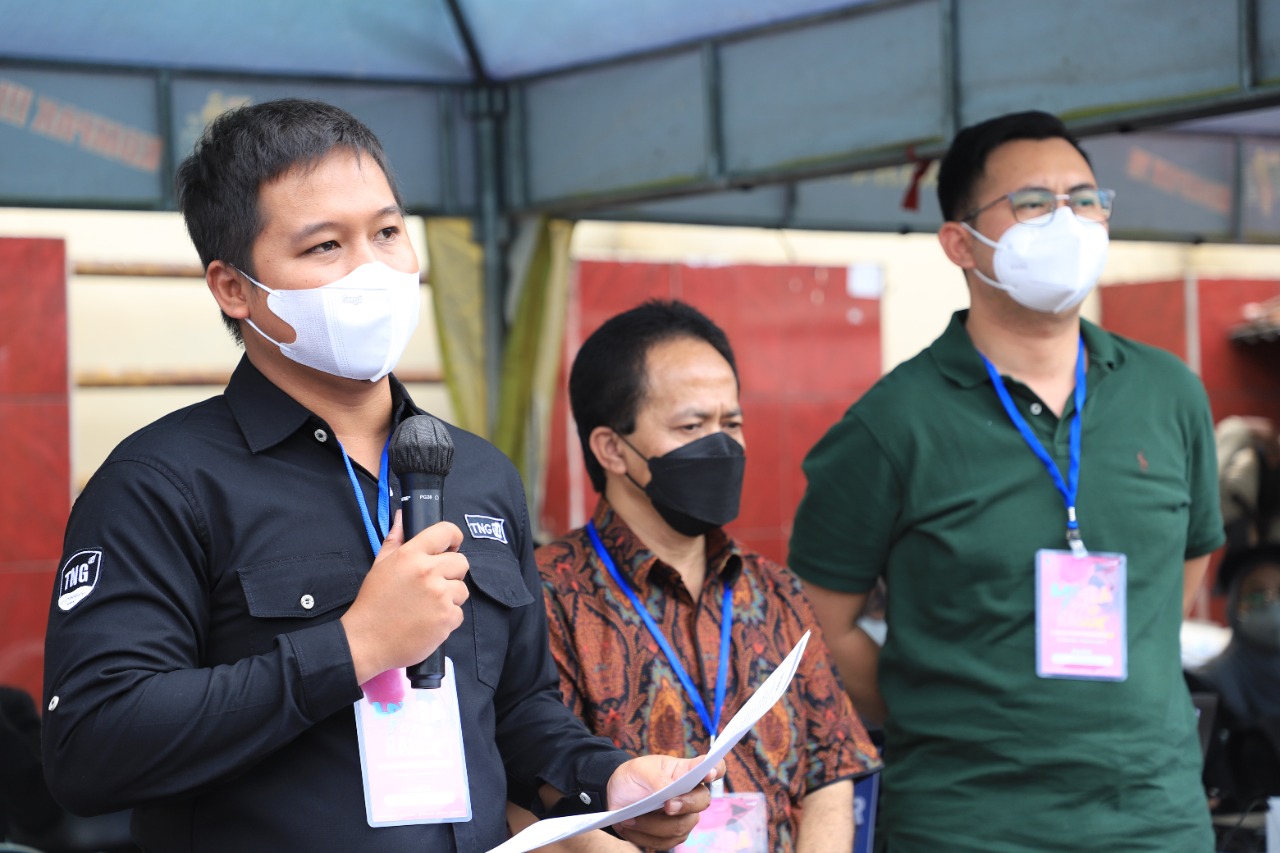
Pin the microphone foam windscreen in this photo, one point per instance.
(422, 445)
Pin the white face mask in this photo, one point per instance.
(356, 327)
(1050, 267)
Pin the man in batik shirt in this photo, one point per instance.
(662, 625)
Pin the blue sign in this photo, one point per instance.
(1261, 190)
(79, 138)
(1167, 185)
(95, 138)
(406, 120)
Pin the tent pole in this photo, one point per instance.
(487, 107)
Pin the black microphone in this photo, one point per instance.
(421, 455)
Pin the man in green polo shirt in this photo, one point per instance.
(1030, 684)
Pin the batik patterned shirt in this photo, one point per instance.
(615, 677)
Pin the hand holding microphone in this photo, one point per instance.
(421, 456)
(412, 598)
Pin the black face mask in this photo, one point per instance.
(696, 487)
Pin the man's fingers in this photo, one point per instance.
(691, 803)
(439, 538)
(668, 826)
(393, 541)
(452, 567)
(659, 831)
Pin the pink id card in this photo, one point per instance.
(733, 823)
(411, 754)
(1081, 630)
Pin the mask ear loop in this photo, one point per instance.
(252, 279)
(637, 453)
(270, 292)
(982, 238)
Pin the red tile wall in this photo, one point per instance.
(1153, 312)
(1240, 379)
(35, 456)
(805, 349)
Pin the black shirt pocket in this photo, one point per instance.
(302, 587)
(496, 575)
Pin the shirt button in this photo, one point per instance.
(321, 435)
(1036, 408)
(307, 602)
(585, 797)
(53, 703)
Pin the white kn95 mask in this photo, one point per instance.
(356, 327)
(1049, 267)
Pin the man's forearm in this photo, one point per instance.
(857, 657)
(1193, 572)
(826, 820)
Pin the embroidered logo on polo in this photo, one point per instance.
(487, 527)
(78, 577)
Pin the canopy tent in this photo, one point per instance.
(720, 110)
(781, 113)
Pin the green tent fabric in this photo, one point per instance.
(531, 358)
(534, 337)
(457, 293)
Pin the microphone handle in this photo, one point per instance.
(422, 505)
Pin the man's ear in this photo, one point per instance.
(229, 289)
(608, 449)
(957, 243)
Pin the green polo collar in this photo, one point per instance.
(958, 360)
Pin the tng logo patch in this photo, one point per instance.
(78, 577)
(485, 527)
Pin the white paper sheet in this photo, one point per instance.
(559, 828)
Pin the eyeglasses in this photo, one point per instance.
(1260, 598)
(1035, 206)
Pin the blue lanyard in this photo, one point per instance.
(1070, 489)
(384, 501)
(726, 622)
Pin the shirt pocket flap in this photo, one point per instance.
(497, 574)
(300, 587)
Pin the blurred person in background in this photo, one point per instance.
(1242, 760)
(29, 815)
(1243, 766)
(26, 807)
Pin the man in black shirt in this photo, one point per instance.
(216, 611)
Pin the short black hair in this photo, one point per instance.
(244, 148)
(1237, 563)
(607, 381)
(966, 159)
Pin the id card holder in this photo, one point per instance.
(412, 760)
(733, 822)
(1081, 625)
